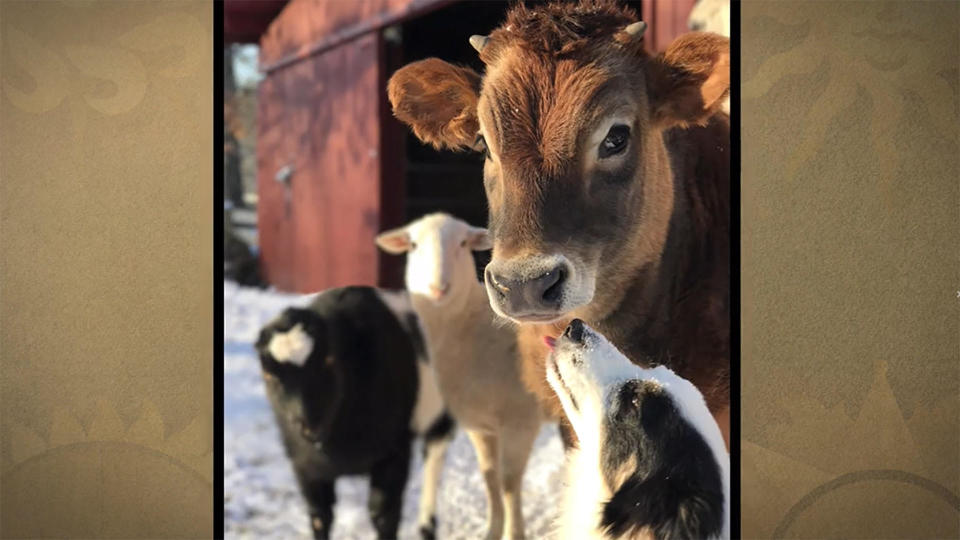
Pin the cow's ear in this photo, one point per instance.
(394, 241)
(438, 101)
(688, 82)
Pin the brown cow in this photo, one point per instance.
(607, 179)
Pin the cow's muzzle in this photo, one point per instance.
(529, 290)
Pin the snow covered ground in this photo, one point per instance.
(261, 497)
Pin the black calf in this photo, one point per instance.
(342, 378)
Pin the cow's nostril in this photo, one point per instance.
(553, 281)
(539, 296)
(501, 289)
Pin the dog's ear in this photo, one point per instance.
(667, 507)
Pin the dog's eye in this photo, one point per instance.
(615, 142)
(635, 402)
(481, 146)
(463, 243)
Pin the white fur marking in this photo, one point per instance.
(293, 346)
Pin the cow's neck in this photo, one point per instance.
(639, 324)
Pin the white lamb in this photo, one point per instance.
(475, 359)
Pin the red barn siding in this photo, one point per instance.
(308, 26)
(320, 115)
(666, 20)
(322, 110)
(245, 20)
(274, 206)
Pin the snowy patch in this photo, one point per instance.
(261, 499)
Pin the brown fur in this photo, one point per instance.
(655, 228)
(695, 71)
(439, 103)
(534, 353)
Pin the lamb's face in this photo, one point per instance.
(650, 434)
(439, 260)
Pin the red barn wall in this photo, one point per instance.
(322, 113)
(666, 19)
(320, 116)
(306, 26)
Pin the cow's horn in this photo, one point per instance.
(636, 29)
(479, 42)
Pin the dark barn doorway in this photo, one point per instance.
(432, 180)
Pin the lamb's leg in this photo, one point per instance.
(488, 458)
(387, 480)
(516, 444)
(320, 498)
(435, 445)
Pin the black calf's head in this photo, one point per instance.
(301, 368)
(659, 451)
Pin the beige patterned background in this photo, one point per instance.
(851, 356)
(851, 349)
(106, 278)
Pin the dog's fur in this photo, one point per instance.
(350, 386)
(640, 238)
(651, 462)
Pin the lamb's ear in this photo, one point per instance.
(438, 101)
(394, 241)
(687, 83)
(478, 239)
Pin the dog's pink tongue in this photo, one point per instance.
(550, 341)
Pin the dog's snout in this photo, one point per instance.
(574, 331)
(518, 296)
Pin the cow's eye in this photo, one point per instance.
(615, 142)
(481, 146)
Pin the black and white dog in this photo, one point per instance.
(350, 386)
(651, 461)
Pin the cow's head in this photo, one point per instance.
(569, 114)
